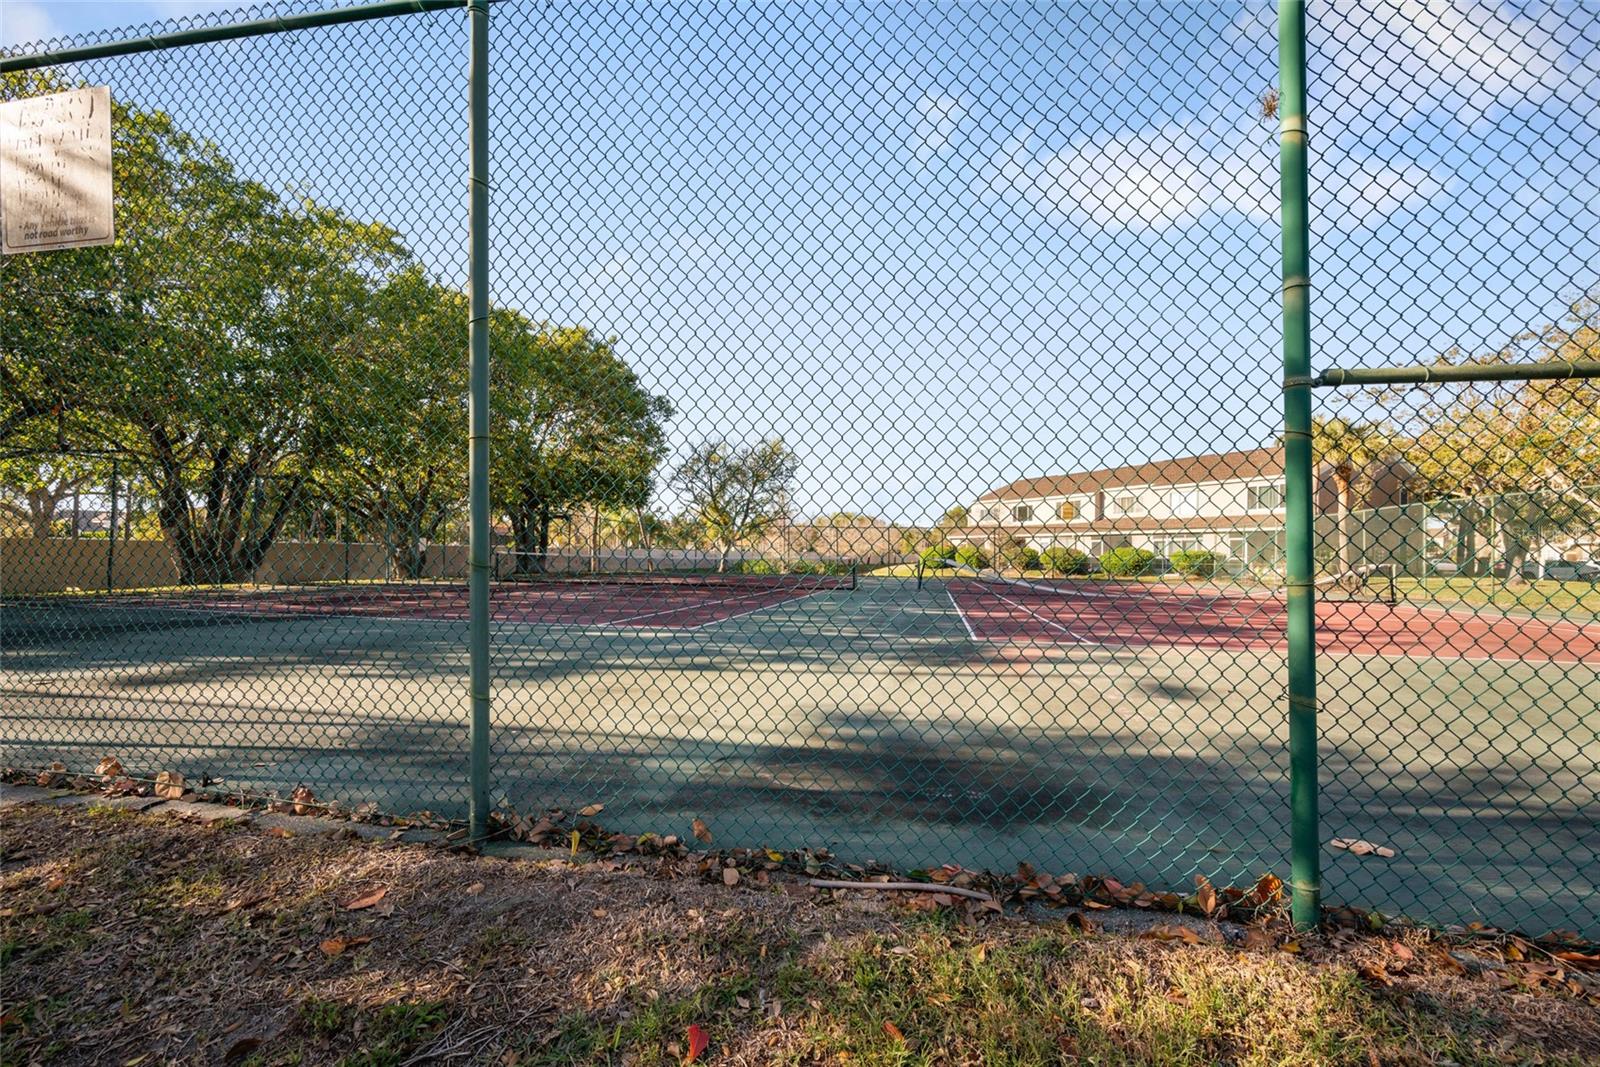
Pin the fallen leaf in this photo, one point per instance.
(893, 1031)
(1357, 847)
(730, 876)
(365, 900)
(1205, 895)
(1578, 961)
(590, 810)
(774, 855)
(1170, 932)
(698, 1040)
(169, 785)
(335, 946)
(1291, 947)
(109, 767)
(305, 801)
(279, 831)
(56, 882)
(702, 832)
(474, 889)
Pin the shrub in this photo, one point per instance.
(1195, 564)
(757, 566)
(1127, 562)
(1064, 561)
(1017, 554)
(971, 556)
(937, 556)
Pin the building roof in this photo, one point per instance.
(1251, 463)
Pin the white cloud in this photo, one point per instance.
(1148, 180)
(1175, 175)
(1464, 57)
(25, 22)
(938, 116)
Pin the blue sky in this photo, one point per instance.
(940, 247)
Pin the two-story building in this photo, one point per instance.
(1230, 503)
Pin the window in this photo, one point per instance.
(1022, 513)
(1267, 496)
(1126, 504)
(1066, 511)
(1184, 502)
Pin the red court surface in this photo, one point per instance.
(664, 603)
(1148, 617)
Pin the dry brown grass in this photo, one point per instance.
(142, 939)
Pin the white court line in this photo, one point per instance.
(1076, 638)
(962, 616)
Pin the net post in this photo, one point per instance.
(111, 534)
(1305, 881)
(478, 415)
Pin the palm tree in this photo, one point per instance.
(1342, 451)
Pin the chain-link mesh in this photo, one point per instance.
(232, 458)
(887, 441)
(1457, 220)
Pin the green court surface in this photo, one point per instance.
(873, 723)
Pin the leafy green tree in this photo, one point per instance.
(574, 426)
(1519, 459)
(204, 343)
(398, 464)
(736, 492)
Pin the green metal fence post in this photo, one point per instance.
(478, 413)
(1305, 864)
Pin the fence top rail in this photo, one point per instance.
(1476, 372)
(227, 32)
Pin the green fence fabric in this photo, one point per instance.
(905, 433)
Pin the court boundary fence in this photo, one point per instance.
(1298, 382)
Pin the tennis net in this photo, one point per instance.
(614, 570)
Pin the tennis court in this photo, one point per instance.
(912, 725)
(1105, 615)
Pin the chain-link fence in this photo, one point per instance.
(888, 443)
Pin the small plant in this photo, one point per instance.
(1127, 562)
(1064, 561)
(1195, 564)
(971, 556)
(1018, 555)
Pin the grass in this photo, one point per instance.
(1573, 600)
(484, 961)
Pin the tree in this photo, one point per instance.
(1520, 458)
(735, 491)
(1342, 451)
(574, 427)
(399, 462)
(34, 484)
(203, 344)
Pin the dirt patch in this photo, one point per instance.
(134, 937)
